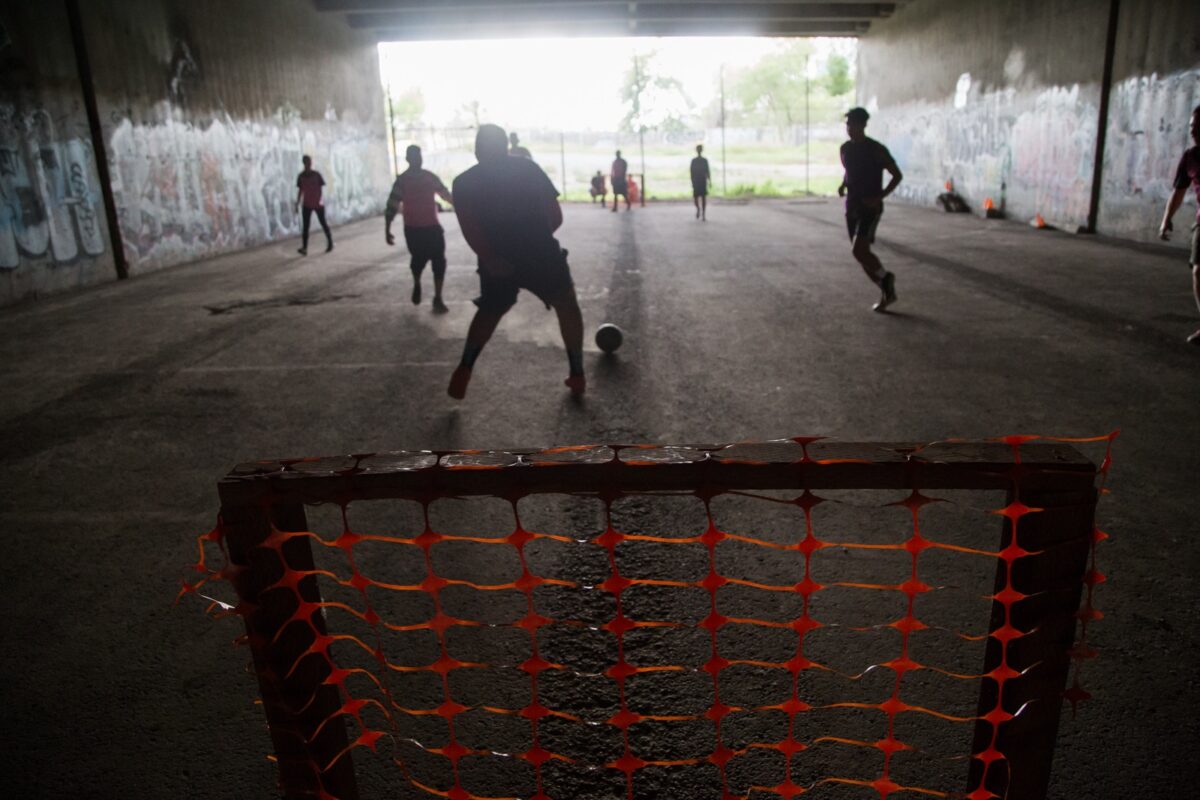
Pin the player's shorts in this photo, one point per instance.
(620, 186)
(549, 281)
(699, 188)
(427, 244)
(862, 222)
(1195, 256)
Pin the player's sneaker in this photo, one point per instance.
(416, 293)
(1194, 338)
(328, 247)
(458, 382)
(577, 384)
(439, 306)
(888, 285)
(303, 251)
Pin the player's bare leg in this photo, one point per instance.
(483, 325)
(439, 279)
(703, 207)
(570, 324)
(875, 271)
(416, 290)
(1195, 337)
(696, 201)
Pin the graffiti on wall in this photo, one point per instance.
(49, 198)
(184, 191)
(1031, 150)
(1147, 134)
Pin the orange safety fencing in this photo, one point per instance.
(792, 651)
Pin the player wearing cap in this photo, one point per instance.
(864, 161)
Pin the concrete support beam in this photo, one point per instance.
(424, 19)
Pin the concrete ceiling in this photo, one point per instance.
(406, 20)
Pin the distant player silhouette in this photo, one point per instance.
(412, 196)
(508, 211)
(516, 149)
(1187, 174)
(599, 189)
(865, 160)
(701, 181)
(619, 175)
(308, 195)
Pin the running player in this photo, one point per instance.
(864, 161)
(308, 194)
(508, 211)
(1188, 174)
(619, 174)
(412, 196)
(701, 180)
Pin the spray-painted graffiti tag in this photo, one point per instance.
(185, 191)
(1030, 151)
(49, 202)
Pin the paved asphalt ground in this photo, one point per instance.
(123, 405)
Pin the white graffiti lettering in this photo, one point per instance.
(49, 200)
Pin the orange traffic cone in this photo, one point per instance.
(988, 205)
(1038, 222)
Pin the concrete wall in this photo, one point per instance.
(206, 109)
(1156, 84)
(53, 235)
(1003, 99)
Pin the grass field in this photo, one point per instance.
(767, 170)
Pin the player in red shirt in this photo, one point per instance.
(508, 212)
(412, 196)
(1188, 174)
(308, 194)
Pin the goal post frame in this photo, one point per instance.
(1052, 479)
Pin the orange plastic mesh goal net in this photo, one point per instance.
(790, 618)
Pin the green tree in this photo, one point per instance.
(652, 100)
(473, 109)
(408, 109)
(772, 91)
(837, 76)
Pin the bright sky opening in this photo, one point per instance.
(565, 84)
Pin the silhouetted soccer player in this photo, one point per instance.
(701, 180)
(308, 185)
(864, 160)
(516, 149)
(508, 211)
(1188, 174)
(599, 189)
(412, 195)
(619, 174)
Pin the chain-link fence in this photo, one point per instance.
(743, 161)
